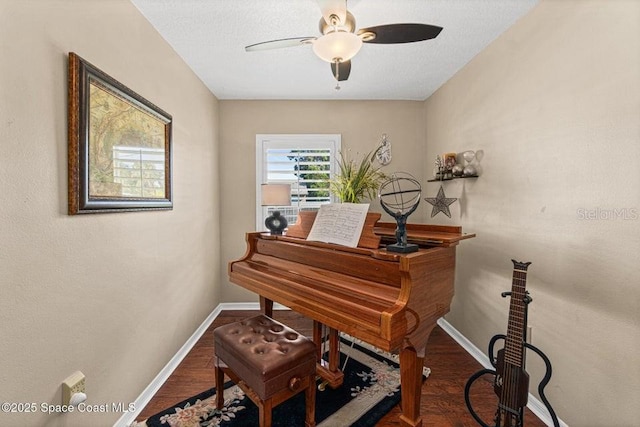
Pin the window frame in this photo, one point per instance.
(333, 142)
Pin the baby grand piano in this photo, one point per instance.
(386, 299)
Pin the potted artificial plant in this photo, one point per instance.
(357, 181)
(353, 183)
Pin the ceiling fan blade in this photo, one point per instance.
(400, 33)
(344, 69)
(277, 44)
(333, 7)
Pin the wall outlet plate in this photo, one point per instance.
(75, 383)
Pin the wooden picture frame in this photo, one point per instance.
(119, 146)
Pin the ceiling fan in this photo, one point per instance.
(339, 42)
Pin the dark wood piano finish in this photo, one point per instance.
(389, 300)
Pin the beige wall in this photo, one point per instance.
(112, 295)
(554, 104)
(361, 124)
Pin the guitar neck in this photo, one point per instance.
(517, 315)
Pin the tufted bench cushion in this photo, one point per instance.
(265, 354)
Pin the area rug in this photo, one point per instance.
(371, 388)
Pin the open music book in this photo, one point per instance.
(339, 223)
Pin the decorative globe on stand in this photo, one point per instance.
(399, 197)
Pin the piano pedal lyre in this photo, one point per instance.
(323, 348)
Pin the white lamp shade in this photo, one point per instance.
(337, 45)
(276, 194)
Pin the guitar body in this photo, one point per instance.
(514, 377)
(511, 384)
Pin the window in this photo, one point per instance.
(307, 162)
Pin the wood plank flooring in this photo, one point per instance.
(442, 403)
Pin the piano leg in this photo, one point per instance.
(411, 362)
(266, 306)
(334, 350)
(317, 339)
(329, 371)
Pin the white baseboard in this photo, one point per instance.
(535, 405)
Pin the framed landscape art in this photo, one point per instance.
(119, 146)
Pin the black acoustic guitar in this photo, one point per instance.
(511, 380)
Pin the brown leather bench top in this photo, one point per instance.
(265, 353)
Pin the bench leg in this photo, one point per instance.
(310, 402)
(219, 387)
(265, 408)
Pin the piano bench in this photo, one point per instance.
(269, 361)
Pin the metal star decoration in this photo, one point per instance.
(440, 203)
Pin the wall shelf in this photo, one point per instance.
(451, 179)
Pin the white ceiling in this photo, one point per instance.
(210, 35)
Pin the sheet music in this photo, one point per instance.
(339, 223)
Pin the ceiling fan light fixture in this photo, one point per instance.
(337, 45)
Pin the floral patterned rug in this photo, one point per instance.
(371, 388)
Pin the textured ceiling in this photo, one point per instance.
(210, 35)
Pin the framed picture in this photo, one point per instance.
(119, 146)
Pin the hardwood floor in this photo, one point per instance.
(442, 403)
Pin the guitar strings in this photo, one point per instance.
(511, 379)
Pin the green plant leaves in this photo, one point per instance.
(357, 180)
